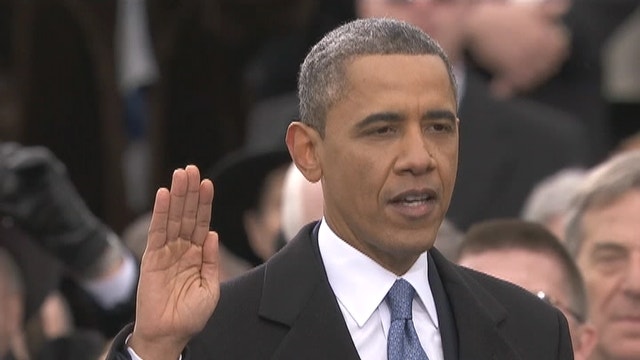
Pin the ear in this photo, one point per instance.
(303, 143)
(587, 339)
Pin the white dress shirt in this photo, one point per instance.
(360, 285)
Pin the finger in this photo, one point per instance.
(203, 216)
(178, 195)
(188, 221)
(210, 263)
(157, 236)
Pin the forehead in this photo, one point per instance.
(533, 270)
(360, 65)
(617, 222)
(372, 75)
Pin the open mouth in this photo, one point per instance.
(414, 197)
(414, 203)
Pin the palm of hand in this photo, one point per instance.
(179, 286)
(179, 295)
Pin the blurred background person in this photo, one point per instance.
(248, 193)
(302, 202)
(552, 51)
(14, 337)
(528, 255)
(141, 87)
(549, 200)
(501, 153)
(603, 235)
(60, 245)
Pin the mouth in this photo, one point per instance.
(628, 318)
(414, 204)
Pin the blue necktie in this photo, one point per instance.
(402, 342)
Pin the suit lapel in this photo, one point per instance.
(477, 314)
(305, 303)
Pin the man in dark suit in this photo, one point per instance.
(379, 129)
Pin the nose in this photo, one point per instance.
(631, 284)
(415, 155)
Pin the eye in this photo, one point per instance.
(443, 127)
(609, 261)
(383, 130)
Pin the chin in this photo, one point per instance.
(414, 245)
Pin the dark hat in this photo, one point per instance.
(41, 272)
(238, 179)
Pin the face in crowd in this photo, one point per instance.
(609, 258)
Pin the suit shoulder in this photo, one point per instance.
(521, 304)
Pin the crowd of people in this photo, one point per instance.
(372, 179)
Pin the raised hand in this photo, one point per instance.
(179, 286)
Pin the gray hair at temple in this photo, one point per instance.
(551, 197)
(321, 81)
(603, 185)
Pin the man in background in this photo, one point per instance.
(528, 255)
(603, 235)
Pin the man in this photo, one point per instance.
(379, 129)
(500, 158)
(603, 234)
(530, 256)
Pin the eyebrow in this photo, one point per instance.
(608, 246)
(392, 117)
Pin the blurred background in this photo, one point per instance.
(124, 91)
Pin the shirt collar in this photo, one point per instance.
(361, 284)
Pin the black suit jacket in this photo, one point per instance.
(285, 309)
(506, 148)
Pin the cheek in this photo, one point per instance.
(448, 167)
(600, 290)
(358, 177)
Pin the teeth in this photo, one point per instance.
(413, 198)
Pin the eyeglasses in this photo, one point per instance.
(562, 307)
